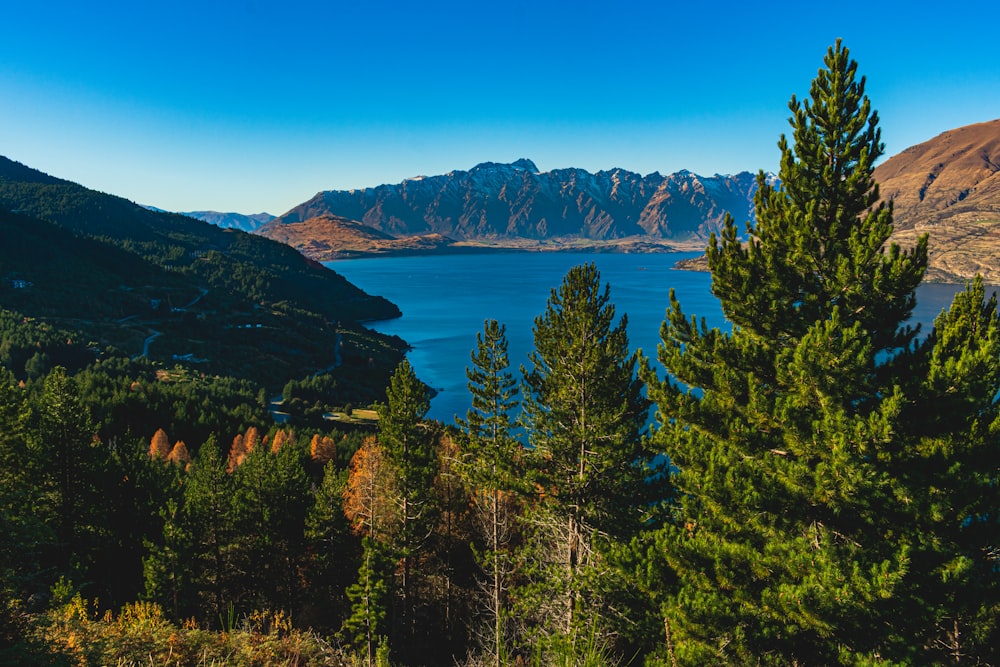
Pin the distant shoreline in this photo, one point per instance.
(631, 245)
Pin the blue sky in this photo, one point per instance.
(249, 106)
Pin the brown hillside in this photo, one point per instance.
(949, 188)
(328, 237)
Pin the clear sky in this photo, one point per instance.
(255, 106)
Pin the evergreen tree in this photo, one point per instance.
(488, 464)
(409, 446)
(72, 473)
(207, 516)
(271, 497)
(585, 413)
(783, 431)
(167, 567)
(950, 468)
(24, 534)
(365, 626)
(332, 550)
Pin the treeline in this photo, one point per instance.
(819, 485)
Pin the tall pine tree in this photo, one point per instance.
(408, 443)
(783, 431)
(490, 454)
(585, 413)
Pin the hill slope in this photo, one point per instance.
(949, 188)
(257, 268)
(227, 302)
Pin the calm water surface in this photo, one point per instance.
(445, 300)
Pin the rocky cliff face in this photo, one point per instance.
(501, 202)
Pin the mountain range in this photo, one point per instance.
(246, 223)
(947, 187)
(516, 205)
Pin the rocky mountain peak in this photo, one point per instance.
(511, 201)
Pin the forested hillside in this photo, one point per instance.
(254, 267)
(820, 484)
(127, 281)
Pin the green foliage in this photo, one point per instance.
(133, 398)
(208, 517)
(585, 413)
(811, 467)
(949, 465)
(271, 497)
(70, 471)
(489, 464)
(331, 548)
(409, 446)
(30, 348)
(220, 302)
(256, 268)
(365, 627)
(489, 448)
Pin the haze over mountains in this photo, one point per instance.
(246, 223)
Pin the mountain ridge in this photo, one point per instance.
(516, 205)
(230, 220)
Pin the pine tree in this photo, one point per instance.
(783, 431)
(950, 468)
(207, 516)
(271, 497)
(166, 570)
(332, 550)
(365, 627)
(488, 464)
(71, 470)
(585, 414)
(409, 446)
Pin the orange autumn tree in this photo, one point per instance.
(322, 448)
(370, 505)
(243, 444)
(281, 438)
(159, 445)
(370, 492)
(179, 454)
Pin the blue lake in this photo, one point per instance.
(445, 300)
